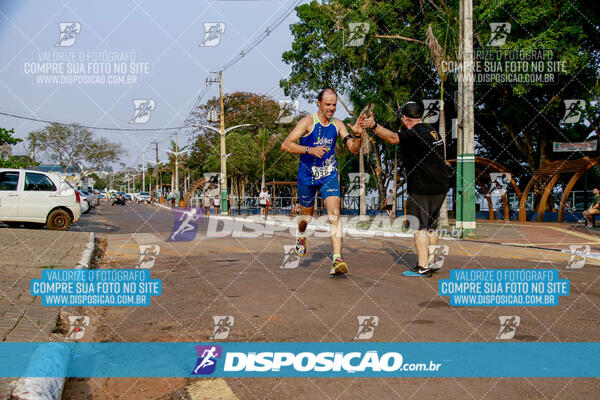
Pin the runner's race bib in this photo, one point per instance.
(322, 172)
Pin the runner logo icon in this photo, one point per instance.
(508, 326)
(141, 110)
(186, 224)
(77, 327)
(223, 324)
(212, 34)
(291, 259)
(366, 326)
(207, 359)
(574, 110)
(148, 254)
(432, 111)
(579, 254)
(500, 31)
(68, 33)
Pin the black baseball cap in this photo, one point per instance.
(412, 109)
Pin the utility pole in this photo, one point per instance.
(176, 187)
(156, 167)
(224, 210)
(465, 174)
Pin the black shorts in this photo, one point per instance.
(263, 206)
(426, 208)
(388, 207)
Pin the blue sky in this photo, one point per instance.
(165, 35)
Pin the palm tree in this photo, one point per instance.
(445, 25)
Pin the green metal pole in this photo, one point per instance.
(467, 153)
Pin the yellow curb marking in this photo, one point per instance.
(548, 244)
(210, 389)
(593, 238)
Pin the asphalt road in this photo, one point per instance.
(244, 278)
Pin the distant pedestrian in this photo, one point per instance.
(206, 204)
(263, 201)
(389, 203)
(593, 210)
(217, 204)
(173, 200)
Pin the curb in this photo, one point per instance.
(163, 206)
(86, 257)
(58, 354)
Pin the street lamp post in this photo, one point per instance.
(176, 153)
(223, 180)
(143, 172)
(156, 166)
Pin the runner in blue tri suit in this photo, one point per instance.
(317, 135)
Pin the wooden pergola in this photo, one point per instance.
(483, 168)
(197, 184)
(550, 173)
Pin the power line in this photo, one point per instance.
(276, 22)
(102, 128)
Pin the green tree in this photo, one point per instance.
(72, 145)
(515, 124)
(99, 183)
(7, 160)
(383, 72)
(262, 113)
(243, 163)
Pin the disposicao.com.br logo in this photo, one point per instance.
(298, 364)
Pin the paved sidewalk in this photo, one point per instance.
(546, 235)
(23, 254)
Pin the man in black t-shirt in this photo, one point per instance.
(427, 176)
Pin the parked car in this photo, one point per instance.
(143, 197)
(92, 199)
(29, 196)
(85, 204)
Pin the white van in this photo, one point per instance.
(37, 197)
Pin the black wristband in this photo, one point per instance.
(346, 138)
(375, 126)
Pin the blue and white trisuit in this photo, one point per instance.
(318, 173)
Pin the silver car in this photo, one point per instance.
(92, 198)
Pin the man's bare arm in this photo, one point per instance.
(383, 132)
(353, 142)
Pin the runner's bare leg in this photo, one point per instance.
(332, 204)
(304, 218)
(433, 241)
(422, 246)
